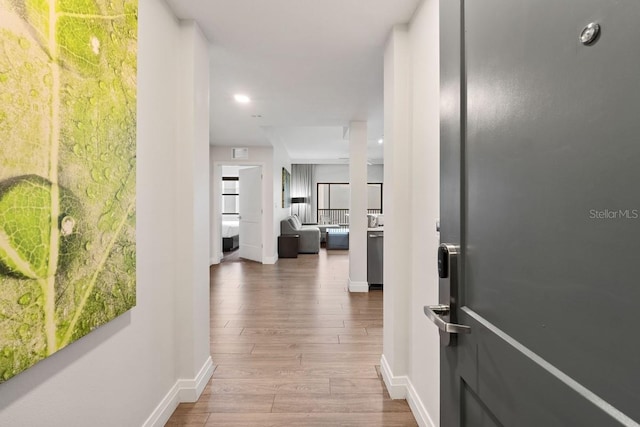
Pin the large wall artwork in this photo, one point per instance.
(67, 172)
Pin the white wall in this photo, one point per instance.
(425, 173)
(229, 170)
(272, 160)
(340, 173)
(118, 374)
(192, 204)
(398, 209)
(419, 379)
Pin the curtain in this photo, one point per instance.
(302, 177)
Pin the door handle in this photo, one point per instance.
(435, 313)
(445, 314)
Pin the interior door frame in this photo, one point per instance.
(216, 207)
(452, 161)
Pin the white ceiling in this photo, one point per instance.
(310, 67)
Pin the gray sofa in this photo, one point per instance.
(309, 242)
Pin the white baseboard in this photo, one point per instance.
(358, 286)
(216, 259)
(270, 259)
(184, 390)
(191, 389)
(417, 408)
(400, 387)
(396, 386)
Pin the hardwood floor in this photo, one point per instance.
(292, 347)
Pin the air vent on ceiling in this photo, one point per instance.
(240, 153)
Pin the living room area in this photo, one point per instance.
(313, 201)
(320, 204)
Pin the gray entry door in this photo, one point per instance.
(540, 184)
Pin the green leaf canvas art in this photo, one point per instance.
(67, 172)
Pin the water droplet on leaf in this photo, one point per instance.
(24, 331)
(92, 191)
(95, 44)
(25, 299)
(66, 225)
(96, 175)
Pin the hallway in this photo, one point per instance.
(292, 347)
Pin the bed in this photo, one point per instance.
(230, 235)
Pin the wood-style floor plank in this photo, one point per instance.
(357, 385)
(358, 339)
(281, 339)
(292, 330)
(383, 419)
(209, 403)
(256, 360)
(235, 331)
(271, 386)
(360, 402)
(283, 324)
(191, 420)
(316, 348)
(335, 371)
(292, 347)
(232, 347)
(323, 359)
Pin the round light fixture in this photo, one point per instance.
(243, 99)
(380, 141)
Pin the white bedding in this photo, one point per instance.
(230, 228)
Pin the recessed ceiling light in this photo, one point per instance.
(380, 141)
(243, 99)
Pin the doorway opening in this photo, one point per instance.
(241, 212)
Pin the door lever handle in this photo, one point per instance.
(435, 313)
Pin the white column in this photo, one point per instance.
(193, 360)
(358, 207)
(397, 210)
